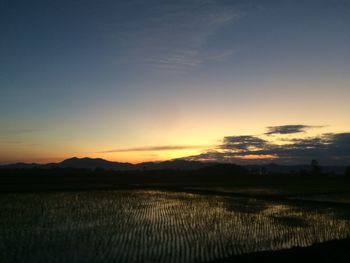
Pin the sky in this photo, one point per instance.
(135, 81)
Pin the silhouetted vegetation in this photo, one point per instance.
(315, 166)
(39, 179)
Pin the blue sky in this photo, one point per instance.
(84, 77)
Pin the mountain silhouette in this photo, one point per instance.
(94, 163)
(99, 163)
(176, 164)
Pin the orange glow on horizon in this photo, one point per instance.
(257, 156)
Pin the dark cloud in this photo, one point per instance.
(330, 149)
(289, 129)
(156, 148)
(242, 142)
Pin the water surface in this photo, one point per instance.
(156, 226)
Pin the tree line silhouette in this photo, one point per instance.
(16, 179)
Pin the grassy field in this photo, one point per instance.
(157, 226)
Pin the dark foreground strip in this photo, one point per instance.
(331, 251)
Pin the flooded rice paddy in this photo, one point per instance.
(156, 226)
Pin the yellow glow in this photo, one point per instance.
(149, 156)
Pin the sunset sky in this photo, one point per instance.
(136, 81)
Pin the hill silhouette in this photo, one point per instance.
(176, 164)
(94, 163)
(95, 173)
(99, 163)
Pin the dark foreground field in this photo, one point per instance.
(82, 216)
(220, 179)
(330, 251)
(163, 226)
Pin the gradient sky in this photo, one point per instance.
(154, 80)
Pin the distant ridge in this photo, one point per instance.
(99, 163)
(94, 163)
(26, 166)
(177, 164)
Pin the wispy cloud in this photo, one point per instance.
(156, 148)
(17, 131)
(174, 35)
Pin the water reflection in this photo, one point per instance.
(133, 226)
